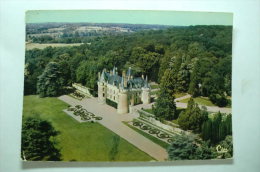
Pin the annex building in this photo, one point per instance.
(125, 91)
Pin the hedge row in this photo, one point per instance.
(77, 95)
(111, 103)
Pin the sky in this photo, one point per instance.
(177, 18)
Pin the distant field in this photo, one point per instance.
(81, 141)
(30, 46)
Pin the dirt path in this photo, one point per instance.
(113, 121)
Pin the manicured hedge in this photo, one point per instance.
(83, 113)
(152, 131)
(111, 103)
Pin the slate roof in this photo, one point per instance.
(115, 79)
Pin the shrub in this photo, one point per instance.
(71, 109)
(85, 118)
(170, 140)
(161, 135)
(98, 118)
(144, 127)
(91, 114)
(136, 123)
(152, 131)
(78, 106)
(111, 103)
(219, 99)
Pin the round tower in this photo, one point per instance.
(122, 106)
(146, 96)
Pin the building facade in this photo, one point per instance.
(125, 91)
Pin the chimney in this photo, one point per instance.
(123, 74)
(125, 80)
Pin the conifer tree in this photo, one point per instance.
(50, 83)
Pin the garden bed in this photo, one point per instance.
(81, 114)
(152, 130)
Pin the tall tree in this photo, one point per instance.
(38, 141)
(217, 127)
(50, 82)
(192, 118)
(165, 107)
(187, 147)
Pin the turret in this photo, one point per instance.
(122, 106)
(129, 73)
(101, 87)
(146, 95)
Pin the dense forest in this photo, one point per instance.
(194, 59)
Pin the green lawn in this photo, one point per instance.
(177, 95)
(154, 86)
(155, 92)
(81, 141)
(200, 100)
(152, 138)
(148, 110)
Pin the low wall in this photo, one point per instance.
(151, 119)
(82, 89)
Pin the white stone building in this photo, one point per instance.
(125, 90)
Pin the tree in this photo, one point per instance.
(38, 141)
(217, 127)
(227, 144)
(165, 107)
(146, 61)
(63, 62)
(50, 82)
(192, 118)
(87, 74)
(187, 147)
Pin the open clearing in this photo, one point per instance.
(200, 100)
(81, 141)
(30, 46)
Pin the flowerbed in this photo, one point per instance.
(83, 113)
(153, 131)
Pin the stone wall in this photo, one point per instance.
(82, 89)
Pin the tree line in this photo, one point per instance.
(196, 59)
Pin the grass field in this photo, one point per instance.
(148, 110)
(200, 100)
(30, 46)
(152, 138)
(177, 95)
(154, 86)
(81, 141)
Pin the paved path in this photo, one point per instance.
(209, 108)
(113, 121)
(183, 97)
(184, 105)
